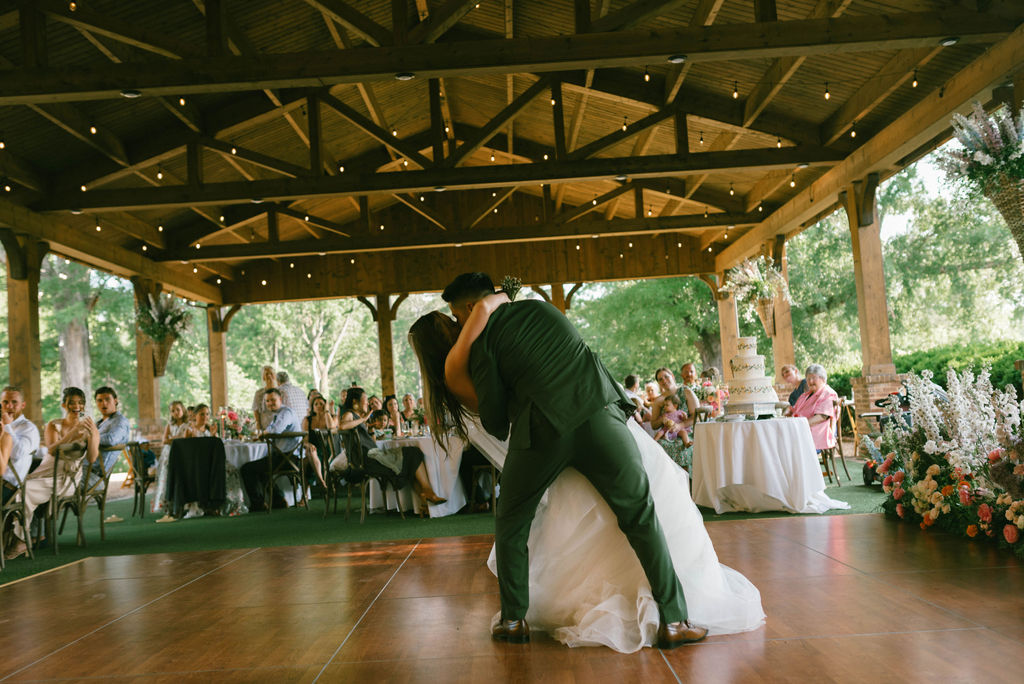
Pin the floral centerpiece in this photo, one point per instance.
(162, 319)
(958, 464)
(235, 424)
(991, 161)
(757, 282)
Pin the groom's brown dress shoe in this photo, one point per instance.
(512, 631)
(672, 634)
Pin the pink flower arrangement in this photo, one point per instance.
(1011, 533)
(985, 513)
(232, 416)
(995, 455)
(899, 476)
(965, 496)
(886, 465)
(887, 482)
(898, 493)
(899, 506)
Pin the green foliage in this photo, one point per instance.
(162, 317)
(999, 355)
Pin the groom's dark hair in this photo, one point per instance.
(468, 287)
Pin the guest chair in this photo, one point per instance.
(141, 479)
(357, 464)
(322, 440)
(703, 414)
(280, 464)
(68, 463)
(492, 472)
(15, 508)
(828, 456)
(93, 487)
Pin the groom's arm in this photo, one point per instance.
(492, 395)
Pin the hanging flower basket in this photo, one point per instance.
(161, 354)
(1008, 196)
(766, 312)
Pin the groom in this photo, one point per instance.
(530, 368)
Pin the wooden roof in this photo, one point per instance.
(292, 149)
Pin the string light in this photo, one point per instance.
(705, 212)
(778, 142)
(291, 264)
(731, 191)
(913, 84)
(72, 6)
(828, 95)
(159, 229)
(492, 156)
(382, 226)
(394, 132)
(760, 205)
(545, 159)
(92, 129)
(222, 218)
(445, 129)
(647, 76)
(352, 260)
(650, 212)
(405, 162)
(553, 102)
(219, 281)
(726, 236)
(422, 198)
(144, 248)
(625, 122)
(234, 150)
(2, 143)
(83, 188)
(263, 283)
(702, 137)
(853, 130)
(195, 269)
(309, 275)
(495, 210)
(577, 246)
(341, 168)
(7, 186)
(181, 101)
(306, 218)
(159, 173)
(735, 90)
(792, 181)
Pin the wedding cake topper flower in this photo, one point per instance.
(511, 286)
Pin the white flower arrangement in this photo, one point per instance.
(755, 279)
(992, 148)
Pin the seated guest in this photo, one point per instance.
(18, 441)
(397, 465)
(255, 473)
(816, 405)
(666, 387)
(319, 418)
(410, 418)
(674, 435)
(75, 426)
(113, 427)
(791, 376)
(177, 427)
(394, 415)
(632, 387)
(201, 423)
(176, 423)
(259, 407)
(688, 375)
(375, 403)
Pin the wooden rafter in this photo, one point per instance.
(262, 160)
(438, 23)
(422, 209)
(375, 131)
(569, 215)
(497, 175)
(633, 14)
(163, 44)
(354, 20)
(377, 241)
(618, 135)
(497, 121)
(704, 15)
(635, 48)
(311, 219)
(492, 203)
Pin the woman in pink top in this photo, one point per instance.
(816, 405)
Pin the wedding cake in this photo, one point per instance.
(749, 385)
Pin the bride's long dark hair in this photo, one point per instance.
(432, 337)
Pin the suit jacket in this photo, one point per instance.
(530, 363)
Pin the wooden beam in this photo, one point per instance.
(255, 158)
(69, 118)
(216, 33)
(73, 242)
(597, 50)
(491, 204)
(919, 124)
(593, 205)
(704, 15)
(500, 119)
(312, 219)
(101, 23)
(558, 118)
(389, 241)
(316, 164)
(438, 23)
(375, 131)
(763, 189)
(354, 20)
(496, 175)
(194, 164)
(782, 69)
(581, 15)
(422, 209)
(633, 14)
(32, 26)
(14, 168)
(896, 72)
(618, 135)
(436, 121)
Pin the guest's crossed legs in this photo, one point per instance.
(604, 451)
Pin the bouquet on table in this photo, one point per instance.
(958, 463)
(236, 424)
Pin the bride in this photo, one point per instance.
(587, 587)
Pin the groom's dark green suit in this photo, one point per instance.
(531, 370)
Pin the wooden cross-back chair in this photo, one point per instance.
(15, 508)
(289, 466)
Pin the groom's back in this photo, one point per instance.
(541, 361)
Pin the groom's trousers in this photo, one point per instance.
(605, 452)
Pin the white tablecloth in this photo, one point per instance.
(236, 455)
(761, 465)
(442, 471)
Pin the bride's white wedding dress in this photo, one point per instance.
(586, 585)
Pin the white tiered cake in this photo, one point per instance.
(749, 385)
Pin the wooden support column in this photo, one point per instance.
(878, 372)
(558, 296)
(782, 343)
(24, 260)
(436, 121)
(150, 419)
(728, 330)
(383, 313)
(217, 320)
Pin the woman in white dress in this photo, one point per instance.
(177, 426)
(587, 587)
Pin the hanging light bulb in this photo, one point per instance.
(705, 212)
(83, 188)
(159, 173)
(625, 122)
(492, 156)
(594, 201)
(731, 191)
(828, 95)
(913, 84)
(545, 159)
(7, 186)
(760, 205)
(195, 269)
(778, 142)
(234, 150)
(647, 75)
(181, 101)
(702, 137)
(144, 248)
(159, 229)
(735, 90)
(650, 211)
(394, 132)
(341, 168)
(219, 281)
(792, 181)
(405, 162)
(853, 130)
(3, 144)
(553, 102)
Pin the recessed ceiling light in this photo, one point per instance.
(405, 76)
(950, 41)
(621, 177)
(802, 165)
(439, 188)
(131, 93)
(677, 59)
(76, 212)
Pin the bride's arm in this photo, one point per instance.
(456, 365)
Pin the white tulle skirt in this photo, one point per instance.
(586, 585)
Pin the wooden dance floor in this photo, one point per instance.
(848, 598)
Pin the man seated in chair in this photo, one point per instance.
(19, 439)
(255, 473)
(114, 430)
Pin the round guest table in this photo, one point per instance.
(758, 465)
(442, 471)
